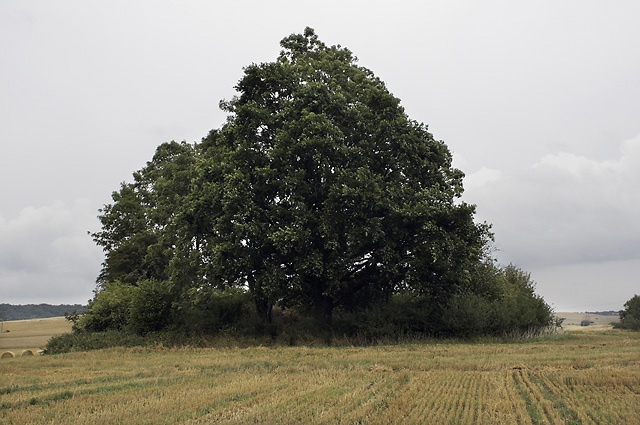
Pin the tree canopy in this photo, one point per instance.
(318, 194)
(630, 314)
(320, 190)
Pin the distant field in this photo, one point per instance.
(576, 378)
(31, 334)
(572, 321)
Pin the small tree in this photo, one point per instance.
(630, 315)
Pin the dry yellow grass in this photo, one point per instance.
(21, 335)
(583, 378)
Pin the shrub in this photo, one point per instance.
(85, 341)
(630, 315)
(500, 301)
(403, 315)
(109, 308)
(520, 308)
(208, 310)
(151, 306)
(467, 315)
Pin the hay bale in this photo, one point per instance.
(7, 355)
(26, 353)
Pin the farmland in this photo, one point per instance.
(576, 378)
(19, 335)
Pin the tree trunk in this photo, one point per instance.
(323, 311)
(263, 306)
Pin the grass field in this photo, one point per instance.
(20, 335)
(577, 378)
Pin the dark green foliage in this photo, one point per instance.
(109, 308)
(503, 302)
(321, 193)
(467, 315)
(209, 310)
(319, 196)
(86, 341)
(402, 316)
(151, 306)
(139, 230)
(519, 307)
(510, 306)
(630, 315)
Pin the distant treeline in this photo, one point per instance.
(605, 313)
(37, 311)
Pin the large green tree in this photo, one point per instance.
(319, 192)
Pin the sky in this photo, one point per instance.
(539, 101)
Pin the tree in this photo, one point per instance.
(146, 254)
(139, 229)
(630, 315)
(319, 192)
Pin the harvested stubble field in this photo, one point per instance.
(20, 335)
(578, 378)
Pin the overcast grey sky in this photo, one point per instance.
(538, 100)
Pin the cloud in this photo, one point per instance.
(588, 286)
(47, 256)
(564, 208)
(482, 177)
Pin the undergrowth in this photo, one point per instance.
(87, 341)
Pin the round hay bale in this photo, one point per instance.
(26, 353)
(7, 355)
